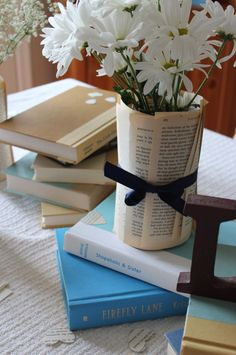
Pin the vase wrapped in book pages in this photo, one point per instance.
(6, 156)
(160, 149)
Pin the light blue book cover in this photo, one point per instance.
(210, 327)
(24, 168)
(99, 244)
(198, 2)
(97, 296)
(20, 180)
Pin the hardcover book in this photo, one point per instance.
(97, 296)
(68, 127)
(89, 171)
(57, 217)
(210, 327)
(77, 196)
(161, 268)
(174, 339)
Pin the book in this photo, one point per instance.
(78, 196)
(161, 268)
(210, 326)
(68, 127)
(89, 171)
(174, 339)
(97, 296)
(56, 216)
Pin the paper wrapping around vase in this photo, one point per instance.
(159, 149)
(6, 156)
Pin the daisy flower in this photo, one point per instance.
(164, 71)
(183, 37)
(61, 43)
(161, 71)
(113, 34)
(227, 24)
(118, 64)
(104, 7)
(147, 46)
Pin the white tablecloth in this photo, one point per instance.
(28, 262)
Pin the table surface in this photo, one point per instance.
(28, 262)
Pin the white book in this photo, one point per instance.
(92, 239)
(89, 171)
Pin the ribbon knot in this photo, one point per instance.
(169, 193)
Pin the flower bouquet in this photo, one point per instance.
(149, 47)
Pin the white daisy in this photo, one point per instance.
(162, 70)
(61, 43)
(118, 64)
(227, 23)
(114, 33)
(156, 71)
(104, 7)
(183, 37)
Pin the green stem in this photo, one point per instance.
(162, 99)
(208, 74)
(120, 80)
(179, 83)
(130, 85)
(141, 97)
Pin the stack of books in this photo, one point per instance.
(103, 280)
(158, 271)
(69, 136)
(104, 286)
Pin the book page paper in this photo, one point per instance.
(159, 149)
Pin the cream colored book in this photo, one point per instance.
(56, 217)
(69, 127)
(89, 171)
(75, 196)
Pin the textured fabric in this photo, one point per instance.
(28, 264)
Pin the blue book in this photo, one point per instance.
(20, 180)
(174, 339)
(97, 296)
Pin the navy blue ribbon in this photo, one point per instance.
(170, 193)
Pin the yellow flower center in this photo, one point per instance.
(182, 32)
(169, 65)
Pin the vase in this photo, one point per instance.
(159, 149)
(6, 154)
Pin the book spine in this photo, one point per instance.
(129, 309)
(96, 140)
(196, 347)
(100, 246)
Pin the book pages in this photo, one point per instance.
(159, 149)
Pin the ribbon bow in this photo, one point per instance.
(170, 193)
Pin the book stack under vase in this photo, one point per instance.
(70, 137)
(103, 280)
